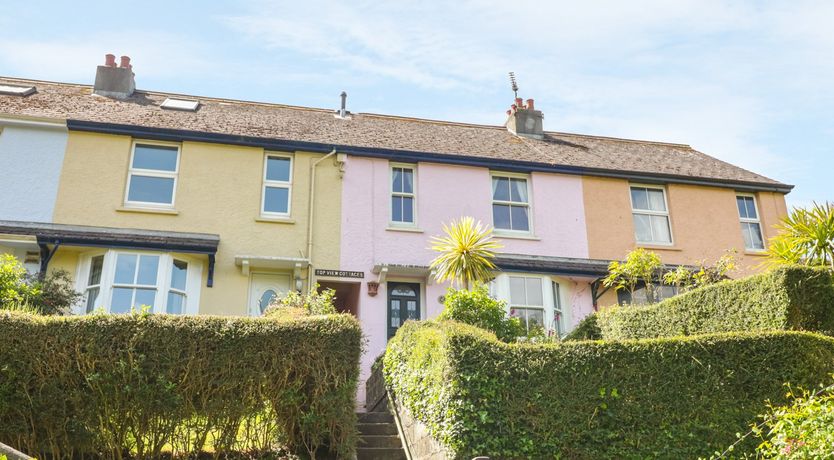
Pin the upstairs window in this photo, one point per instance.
(510, 203)
(277, 186)
(152, 180)
(751, 228)
(527, 301)
(403, 196)
(651, 215)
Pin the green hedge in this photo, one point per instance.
(790, 298)
(106, 385)
(660, 398)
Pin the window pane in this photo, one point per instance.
(520, 221)
(176, 303)
(534, 291)
(92, 299)
(125, 269)
(96, 265)
(155, 157)
(535, 318)
(151, 189)
(656, 202)
(501, 189)
(178, 275)
(411, 306)
(408, 181)
(752, 235)
(144, 297)
(642, 228)
(395, 313)
(122, 300)
(518, 190)
(403, 290)
(148, 266)
(517, 291)
(397, 178)
(408, 209)
(396, 209)
(501, 216)
(278, 168)
(751, 208)
(660, 229)
(266, 299)
(742, 207)
(639, 198)
(276, 199)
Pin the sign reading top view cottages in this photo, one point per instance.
(339, 273)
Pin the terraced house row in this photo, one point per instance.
(200, 205)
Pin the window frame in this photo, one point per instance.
(412, 195)
(666, 214)
(747, 220)
(276, 184)
(514, 306)
(529, 204)
(107, 282)
(152, 173)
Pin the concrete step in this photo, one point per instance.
(375, 417)
(379, 453)
(380, 441)
(376, 428)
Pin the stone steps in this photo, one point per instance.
(378, 437)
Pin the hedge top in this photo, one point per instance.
(787, 298)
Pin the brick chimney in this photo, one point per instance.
(525, 120)
(112, 81)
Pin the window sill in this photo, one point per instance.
(275, 220)
(393, 228)
(752, 252)
(516, 236)
(170, 212)
(660, 247)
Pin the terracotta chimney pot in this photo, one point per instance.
(110, 60)
(125, 62)
(530, 105)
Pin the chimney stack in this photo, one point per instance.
(525, 120)
(112, 81)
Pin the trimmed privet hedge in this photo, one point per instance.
(789, 298)
(136, 385)
(660, 398)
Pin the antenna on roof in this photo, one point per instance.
(514, 84)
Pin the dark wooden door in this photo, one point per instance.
(403, 304)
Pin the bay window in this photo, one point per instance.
(125, 281)
(526, 301)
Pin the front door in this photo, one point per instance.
(264, 288)
(403, 304)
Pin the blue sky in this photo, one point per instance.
(751, 83)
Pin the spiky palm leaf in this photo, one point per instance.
(806, 236)
(466, 253)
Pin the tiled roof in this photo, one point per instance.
(371, 131)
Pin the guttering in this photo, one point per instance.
(312, 201)
(407, 156)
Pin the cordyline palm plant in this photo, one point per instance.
(466, 253)
(805, 237)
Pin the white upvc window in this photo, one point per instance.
(124, 281)
(651, 215)
(403, 195)
(276, 196)
(558, 314)
(152, 176)
(751, 228)
(527, 301)
(511, 203)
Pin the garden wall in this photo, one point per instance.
(140, 384)
(662, 398)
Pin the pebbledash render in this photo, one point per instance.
(200, 205)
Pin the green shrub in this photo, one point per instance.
(802, 429)
(314, 303)
(587, 329)
(21, 291)
(14, 290)
(107, 384)
(789, 298)
(661, 398)
(477, 308)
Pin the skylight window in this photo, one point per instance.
(180, 104)
(16, 90)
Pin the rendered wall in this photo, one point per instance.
(218, 191)
(30, 165)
